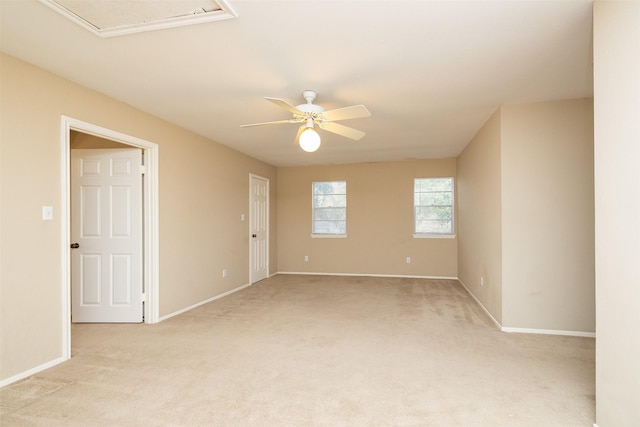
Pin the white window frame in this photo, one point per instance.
(314, 208)
(446, 235)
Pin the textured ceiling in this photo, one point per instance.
(430, 72)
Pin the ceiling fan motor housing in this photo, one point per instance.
(309, 107)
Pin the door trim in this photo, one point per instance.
(252, 176)
(151, 223)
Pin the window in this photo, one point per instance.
(433, 206)
(330, 208)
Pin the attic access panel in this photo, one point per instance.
(108, 18)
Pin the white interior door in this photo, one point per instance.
(259, 222)
(106, 226)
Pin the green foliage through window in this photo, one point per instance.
(433, 205)
(329, 207)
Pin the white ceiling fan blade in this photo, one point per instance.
(342, 130)
(284, 104)
(353, 112)
(277, 122)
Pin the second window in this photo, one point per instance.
(433, 206)
(330, 208)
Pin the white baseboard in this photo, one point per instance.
(191, 307)
(32, 371)
(528, 330)
(403, 276)
(549, 332)
(464, 285)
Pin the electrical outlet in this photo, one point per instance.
(224, 273)
(306, 258)
(481, 280)
(408, 260)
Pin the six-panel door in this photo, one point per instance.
(106, 224)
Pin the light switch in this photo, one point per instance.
(47, 213)
(241, 217)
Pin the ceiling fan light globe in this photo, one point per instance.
(309, 140)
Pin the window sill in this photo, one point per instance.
(328, 236)
(434, 236)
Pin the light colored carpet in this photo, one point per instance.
(315, 351)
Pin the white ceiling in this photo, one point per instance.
(430, 72)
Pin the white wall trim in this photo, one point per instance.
(31, 371)
(310, 273)
(191, 307)
(549, 332)
(433, 236)
(464, 285)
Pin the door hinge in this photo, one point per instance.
(143, 298)
(143, 169)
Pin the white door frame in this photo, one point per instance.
(151, 230)
(251, 176)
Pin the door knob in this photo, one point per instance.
(254, 235)
(75, 245)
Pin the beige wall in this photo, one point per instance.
(617, 201)
(204, 188)
(379, 222)
(79, 140)
(547, 216)
(525, 188)
(480, 217)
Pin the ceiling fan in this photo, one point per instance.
(312, 115)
